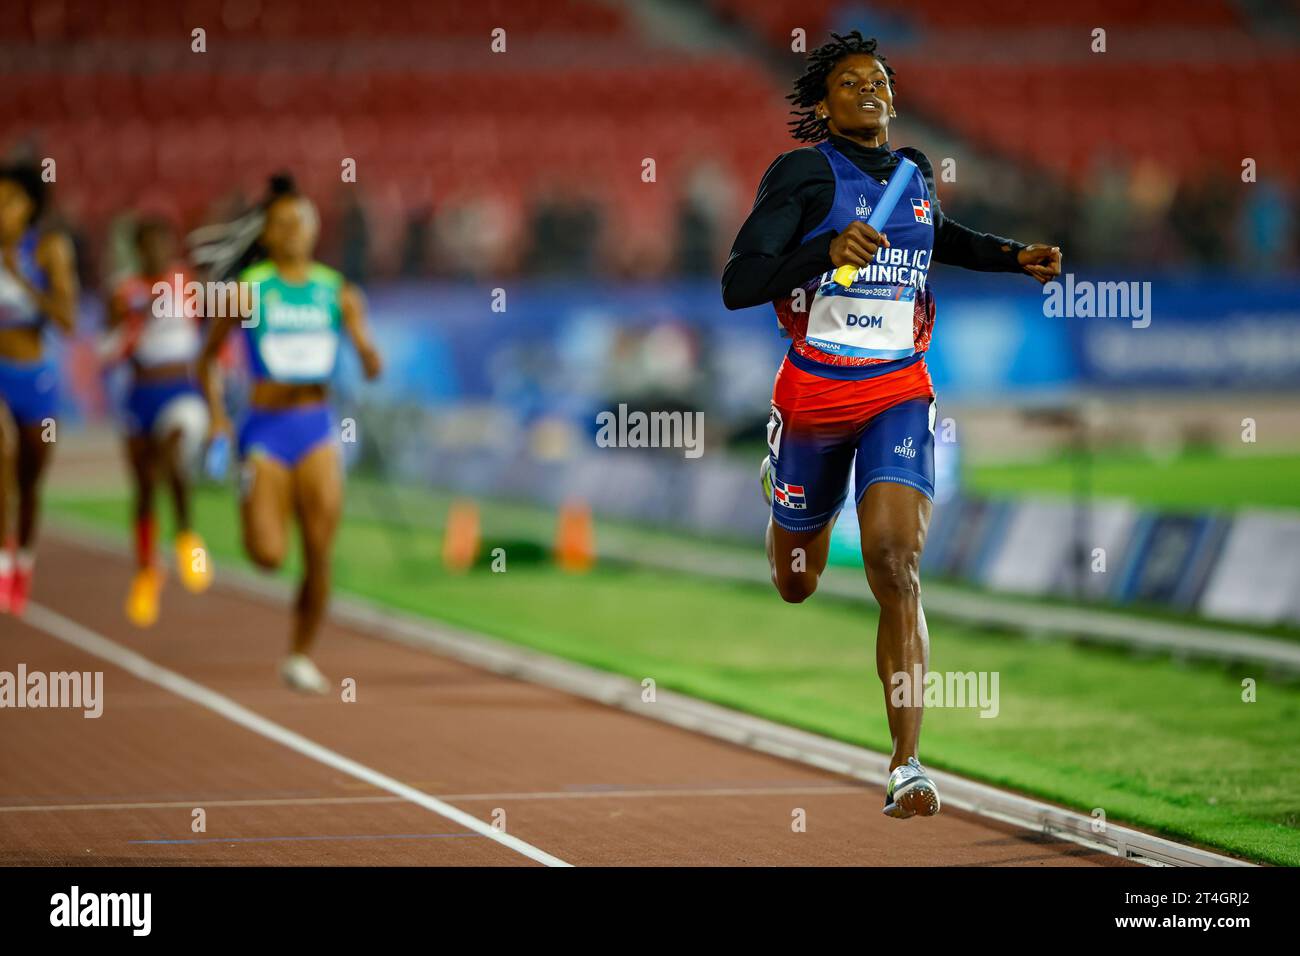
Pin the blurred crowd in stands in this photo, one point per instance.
(1134, 217)
(530, 161)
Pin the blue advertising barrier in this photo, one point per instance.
(535, 345)
(992, 338)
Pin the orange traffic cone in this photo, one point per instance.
(575, 538)
(460, 542)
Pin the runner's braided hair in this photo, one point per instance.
(810, 87)
(27, 177)
(227, 248)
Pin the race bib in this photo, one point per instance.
(168, 339)
(299, 356)
(870, 321)
(17, 307)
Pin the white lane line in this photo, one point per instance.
(70, 632)
(833, 791)
(372, 620)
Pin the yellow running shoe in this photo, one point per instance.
(193, 563)
(142, 599)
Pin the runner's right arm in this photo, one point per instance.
(358, 329)
(209, 370)
(767, 261)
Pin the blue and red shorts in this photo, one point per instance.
(146, 400)
(287, 435)
(30, 390)
(829, 420)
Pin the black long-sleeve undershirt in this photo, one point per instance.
(767, 259)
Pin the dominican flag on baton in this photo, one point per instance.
(789, 496)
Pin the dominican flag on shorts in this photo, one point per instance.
(921, 210)
(788, 496)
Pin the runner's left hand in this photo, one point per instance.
(1040, 261)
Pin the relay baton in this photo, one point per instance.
(217, 460)
(880, 215)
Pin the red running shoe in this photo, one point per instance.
(19, 590)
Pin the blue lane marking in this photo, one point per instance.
(362, 836)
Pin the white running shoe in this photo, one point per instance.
(301, 674)
(910, 791)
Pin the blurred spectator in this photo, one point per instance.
(355, 240)
(1202, 218)
(563, 237)
(707, 203)
(1264, 228)
(1151, 192)
(1104, 232)
(476, 238)
(415, 243)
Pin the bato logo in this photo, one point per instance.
(863, 210)
(905, 450)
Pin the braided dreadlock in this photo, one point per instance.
(225, 249)
(810, 88)
(27, 177)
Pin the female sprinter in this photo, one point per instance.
(38, 284)
(165, 416)
(853, 391)
(290, 463)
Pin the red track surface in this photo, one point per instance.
(589, 784)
